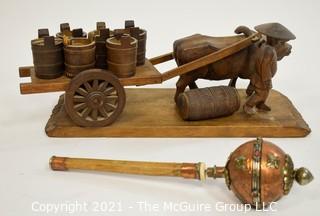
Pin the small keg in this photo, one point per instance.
(141, 36)
(101, 48)
(99, 36)
(207, 103)
(47, 52)
(122, 55)
(79, 54)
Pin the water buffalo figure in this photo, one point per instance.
(257, 62)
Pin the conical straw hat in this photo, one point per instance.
(275, 30)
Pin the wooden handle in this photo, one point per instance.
(162, 58)
(185, 170)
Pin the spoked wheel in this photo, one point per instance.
(95, 98)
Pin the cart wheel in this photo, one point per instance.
(95, 98)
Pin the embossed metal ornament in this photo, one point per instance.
(269, 175)
(258, 172)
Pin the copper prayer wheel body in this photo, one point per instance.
(48, 58)
(206, 103)
(122, 55)
(79, 55)
(259, 172)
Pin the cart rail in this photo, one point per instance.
(146, 74)
(162, 58)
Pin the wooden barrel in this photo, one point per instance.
(79, 54)
(141, 36)
(101, 48)
(207, 103)
(99, 36)
(47, 53)
(122, 55)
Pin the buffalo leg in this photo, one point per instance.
(182, 84)
(250, 89)
(193, 85)
(233, 82)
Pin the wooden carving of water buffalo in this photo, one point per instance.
(258, 62)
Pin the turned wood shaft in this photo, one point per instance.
(185, 170)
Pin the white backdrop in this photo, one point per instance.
(25, 148)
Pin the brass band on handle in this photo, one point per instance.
(58, 163)
(216, 172)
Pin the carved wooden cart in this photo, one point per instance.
(96, 97)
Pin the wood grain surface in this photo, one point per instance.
(153, 113)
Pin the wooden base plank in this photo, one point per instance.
(153, 113)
